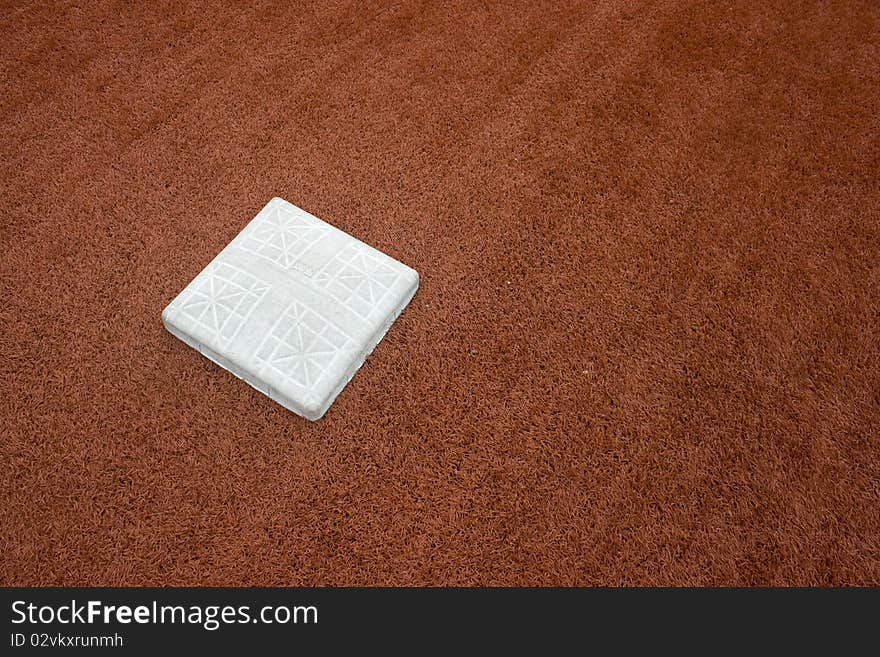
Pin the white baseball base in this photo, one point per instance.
(292, 306)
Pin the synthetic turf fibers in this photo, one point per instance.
(645, 349)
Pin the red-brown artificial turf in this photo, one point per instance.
(646, 348)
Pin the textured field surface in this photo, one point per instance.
(646, 347)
